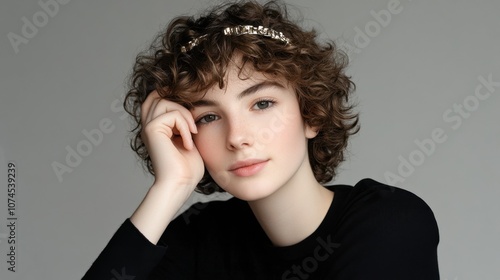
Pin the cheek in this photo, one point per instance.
(292, 137)
(208, 145)
(287, 125)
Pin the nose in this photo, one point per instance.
(239, 133)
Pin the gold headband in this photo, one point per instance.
(240, 30)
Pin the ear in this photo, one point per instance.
(311, 132)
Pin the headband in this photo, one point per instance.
(241, 30)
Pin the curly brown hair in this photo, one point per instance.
(315, 70)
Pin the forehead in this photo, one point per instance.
(238, 88)
(238, 75)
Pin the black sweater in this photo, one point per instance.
(371, 231)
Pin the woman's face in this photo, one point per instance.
(251, 135)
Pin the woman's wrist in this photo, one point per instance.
(158, 208)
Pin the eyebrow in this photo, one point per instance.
(248, 91)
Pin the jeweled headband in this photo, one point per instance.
(241, 30)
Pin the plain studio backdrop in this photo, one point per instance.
(428, 88)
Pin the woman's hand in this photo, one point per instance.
(177, 164)
(167, 128)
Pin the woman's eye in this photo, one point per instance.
(207, 119)
(263, 104)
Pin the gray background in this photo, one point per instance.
(69, 76)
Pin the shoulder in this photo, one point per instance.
(371, 194)
(389, 232)
(387, 212)
(393, 200)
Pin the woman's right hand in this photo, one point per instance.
(166, 132)
(177, 164)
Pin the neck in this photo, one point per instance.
(294, 211)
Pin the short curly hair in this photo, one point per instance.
(315, 70)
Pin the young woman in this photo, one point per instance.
(243, 100)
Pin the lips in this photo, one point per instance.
(248, 167)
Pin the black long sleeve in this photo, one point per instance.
(128, 255)
(371, 231)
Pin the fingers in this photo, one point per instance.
(155, 105)
(159, 115)
(166, 124)
(162, 106)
